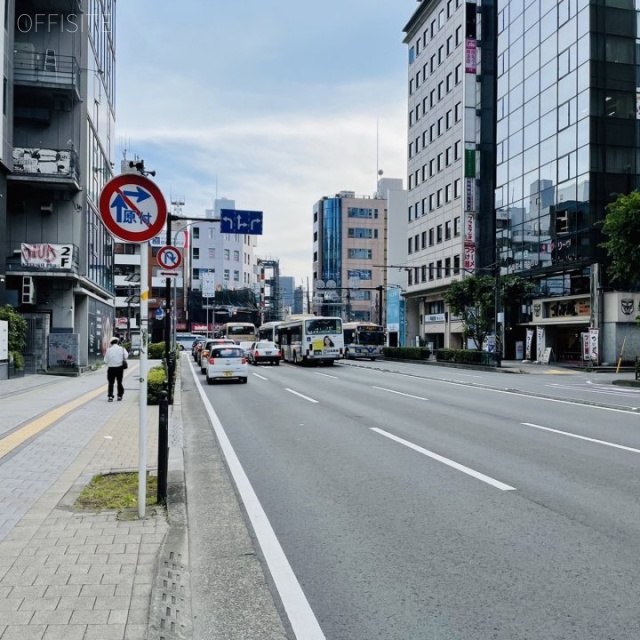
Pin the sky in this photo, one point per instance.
(271, 103)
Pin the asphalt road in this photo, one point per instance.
(416, 504)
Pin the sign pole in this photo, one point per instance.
(144, 344)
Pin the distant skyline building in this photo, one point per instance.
(349, 235)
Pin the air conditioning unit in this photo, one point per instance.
(28, 290)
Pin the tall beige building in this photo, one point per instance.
(349, 239)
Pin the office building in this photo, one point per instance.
(224, 278)
(287, 288)
(451, 167)
(349, 269)
(567, 143)
(58, 137)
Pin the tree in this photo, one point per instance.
(474, 300)
(622, 228)
(17, 333)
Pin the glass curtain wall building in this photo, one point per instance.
(566, 142)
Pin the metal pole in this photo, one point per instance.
(163, 447)
(144, 341)
(167, 323)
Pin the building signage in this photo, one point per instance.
(470, 163)
(208, 285)
(46, 256)
(435, 317)
(469, 194)
(470, 57)
(469, 257)
(469, 228)
(593, 345)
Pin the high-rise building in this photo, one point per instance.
(349, 268)
(58, 137)
(567, 141)
(451, 167)
(287, 287)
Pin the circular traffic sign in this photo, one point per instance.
(169, 257)
(133, 208)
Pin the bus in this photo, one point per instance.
(267, 331)
(238, 331)
(363, 340)
(312, 339)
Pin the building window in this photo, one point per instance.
(196, 253)
(359, 254)
(458, 74)
(424, 206)
(423, 240)
(456, 265)
(458, 112)
(447, 156)
(456, 188)
(431, 202)
(447, 267)
(458, 36)
(196, 233)
(226, 274)
(410, 246)
(448, 193)
(456, 150)
(439, 269)
(227, 254)
(456, 226)
(236, 276)
(236, 256)
(431, 237)
(431, 271)
(423, 273)
(447, 230)
(439, 233)
(448, 119)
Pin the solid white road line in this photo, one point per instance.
(301, 395)
(303, 620)
(399, 393)
(573, 435)
(326, 375)
(257, 375)
(475, 474)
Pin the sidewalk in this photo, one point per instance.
(66, 573)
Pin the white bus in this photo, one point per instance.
(312, 339)
(267, 331)
(363, 340)
(238, 331)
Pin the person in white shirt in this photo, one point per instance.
(114, 358)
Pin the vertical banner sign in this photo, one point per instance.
(593, 345)
(540, 343)
(586, 351)
(470, 56)
(528, 344)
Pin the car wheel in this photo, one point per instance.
(243, 380)
(203, 370)
(210, 380)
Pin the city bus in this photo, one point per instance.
(238, 331)
(363, 340)
(267, 331)
(311, 339)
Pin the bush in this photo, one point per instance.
(156, 351)
(156, 379)
(17, 334)
(467, 356)
(407, 353)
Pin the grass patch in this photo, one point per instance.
(115, 491)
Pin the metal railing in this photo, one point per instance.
(45, 68)
(47, 163)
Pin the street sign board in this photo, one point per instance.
(169, 274)
(159, 314)
(169, 257)
(133, 208)
(239, 221)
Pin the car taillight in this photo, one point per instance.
(244, 360)
(256, 354)
(212, 360)
(279, 354)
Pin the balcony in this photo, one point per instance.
(55, 168)
(45, 70)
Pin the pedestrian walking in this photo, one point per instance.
(116, 360)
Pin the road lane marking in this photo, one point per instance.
(573, 435)
(326, 375)
(451, 463)
(33, 428)
(301, 395)
(301, 617)
(257, 375)
(399, 393)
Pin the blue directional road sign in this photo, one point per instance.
(238, 221)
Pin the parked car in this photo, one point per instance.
(203, 354)
(226, 362)
(264, 352)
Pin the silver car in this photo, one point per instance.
(226, 363)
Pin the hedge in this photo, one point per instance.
(156, 378)
(467, 356)
(407, 353)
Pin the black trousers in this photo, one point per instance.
(114, 374)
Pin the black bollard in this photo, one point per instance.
(163, 447)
